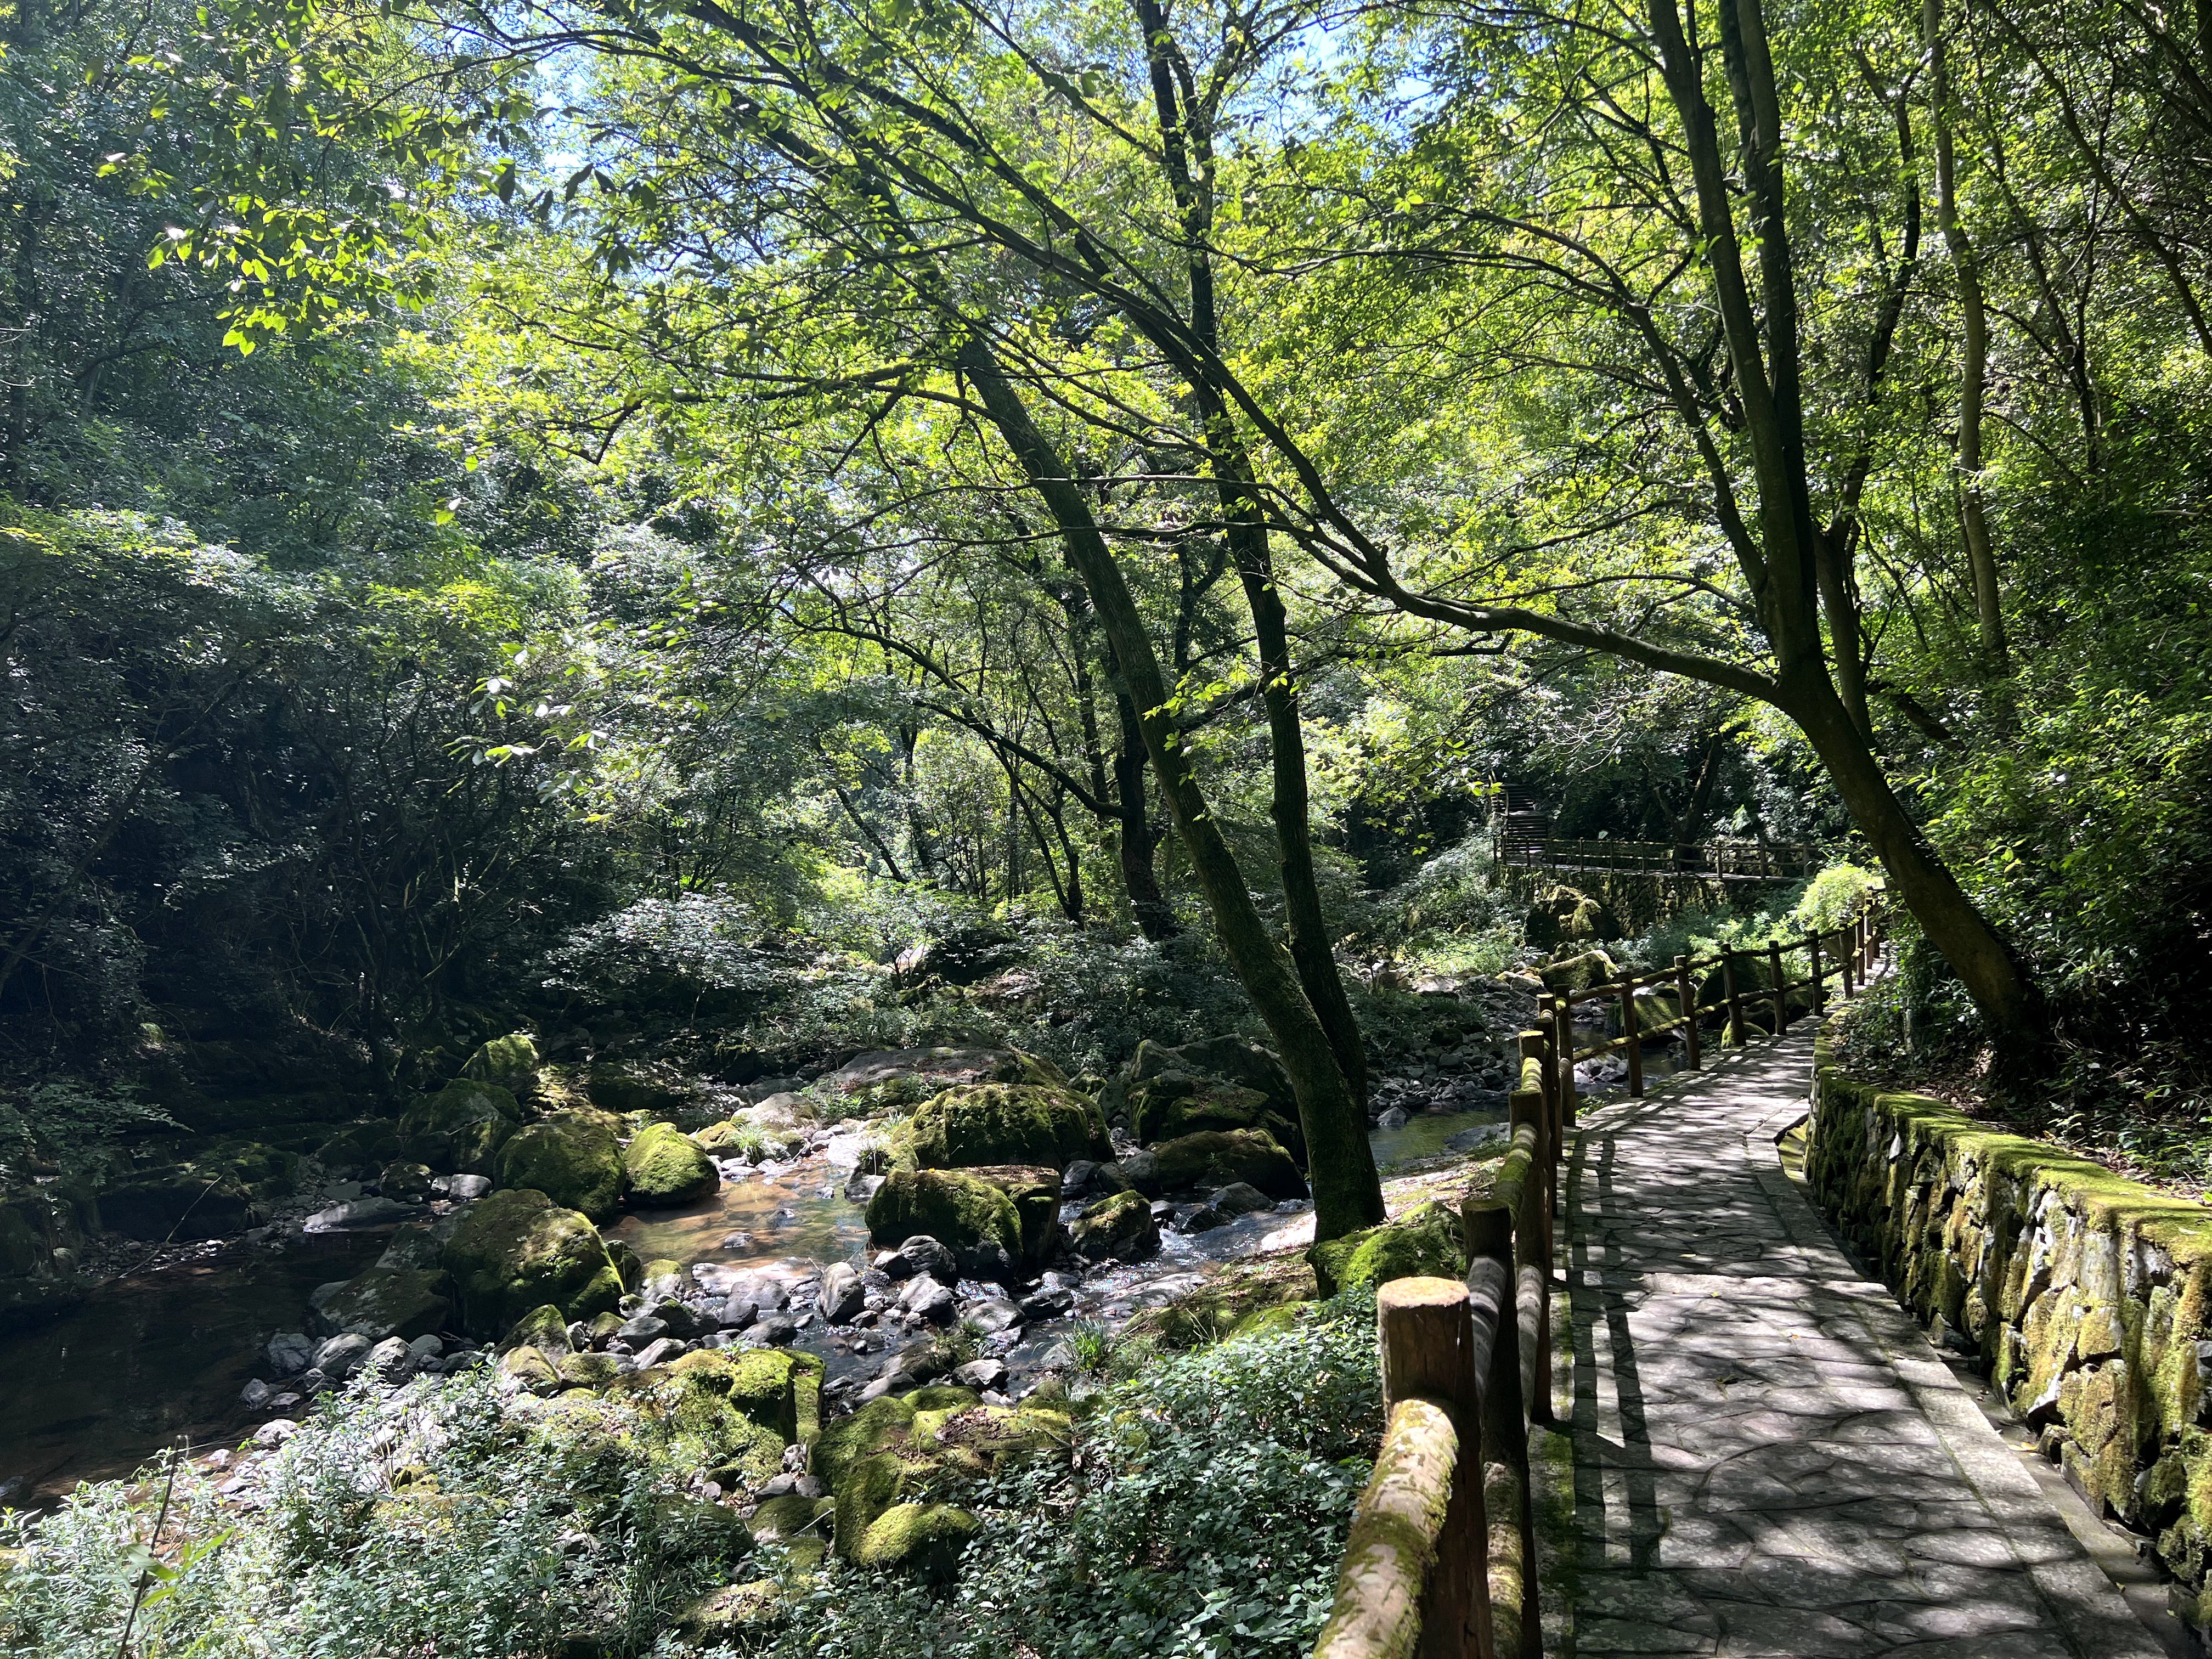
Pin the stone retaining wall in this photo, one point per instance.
(2088, 1297)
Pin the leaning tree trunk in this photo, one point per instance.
(1984, 964)
(1348, 1193)
(1292, 809)
(1139, 879)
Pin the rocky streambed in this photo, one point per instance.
(243, 1332)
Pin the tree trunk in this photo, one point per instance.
(1155, 915)
(1973, 357)
(1347, 1193)
(1291, 807)
(1977, 953)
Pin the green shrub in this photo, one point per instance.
(1203, 1514)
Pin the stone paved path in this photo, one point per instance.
(1769, 1458)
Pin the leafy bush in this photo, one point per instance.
(1203, 1513)
(425, 1520)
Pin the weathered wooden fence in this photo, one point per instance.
(1442, 1559)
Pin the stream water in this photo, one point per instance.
(100, 1391)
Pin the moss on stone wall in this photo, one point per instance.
(2087, 1296)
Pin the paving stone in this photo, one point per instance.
(1769, 1458)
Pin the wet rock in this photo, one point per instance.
(1077, 1179)
(466, 1188)
(1483, 1134)
(359, 1214)
(991, 1316)
(254, 1395)
(1050, 1303)
(772, 1331)
(922, 1254)
(639, 1333)
(1121, 1228)
(1138, 1170)
(274, 1433)
(925, 1298)
(666, 1167)
(1199, 1219)
(406, 1183)
(427, 1347)
(661, 1352)
(342, 1355)
(288, 1353)
(737, 1312)
(1240, 1198)
(391, 1360)
(840, 1294)
(981, 1374)
(1395, 1118)
(381, 1302)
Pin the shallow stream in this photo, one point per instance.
(101, 1390)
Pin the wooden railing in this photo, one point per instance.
(1846, 953)
(1442, 1559)
(1725, 858)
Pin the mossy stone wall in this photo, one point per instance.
(2088, 1296)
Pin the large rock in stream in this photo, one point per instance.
(995, 1219)
(518, 1250)
(570, 1157)
(460, 1129)
(1219, 1158)
(1007, 1124)
(666, 1167)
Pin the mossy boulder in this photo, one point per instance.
(1581, 972)
(615, 1087)
(360, 1148)
(572, 1158)
(517, 1250)
(587, 1370)
(509, 1061)
(544, 1328)
(921, 1538)
(1218, 1083)
(734, 1613)
(1219, 1157)
(894, 1452)
(1003, 1123)
(382, 1302)
(731, 1413)
(526, 1370)
(957, 1207)
(1561, 915)
(1424, 1242)
(460, 1128)
(666, 1167)
(1119, 1228)
(991, 1218)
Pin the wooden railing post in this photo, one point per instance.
(1847, 957)
(1734, 993)
(1425, 1336)
(1781, 988)
(1532, 1233)
(1563, 1039)
(1494, 1290)
(1686, 988)
(1630, 1046)
(1813, 970)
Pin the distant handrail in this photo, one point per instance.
(1442, 1559)
(1848, 953)
(1531, 846)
